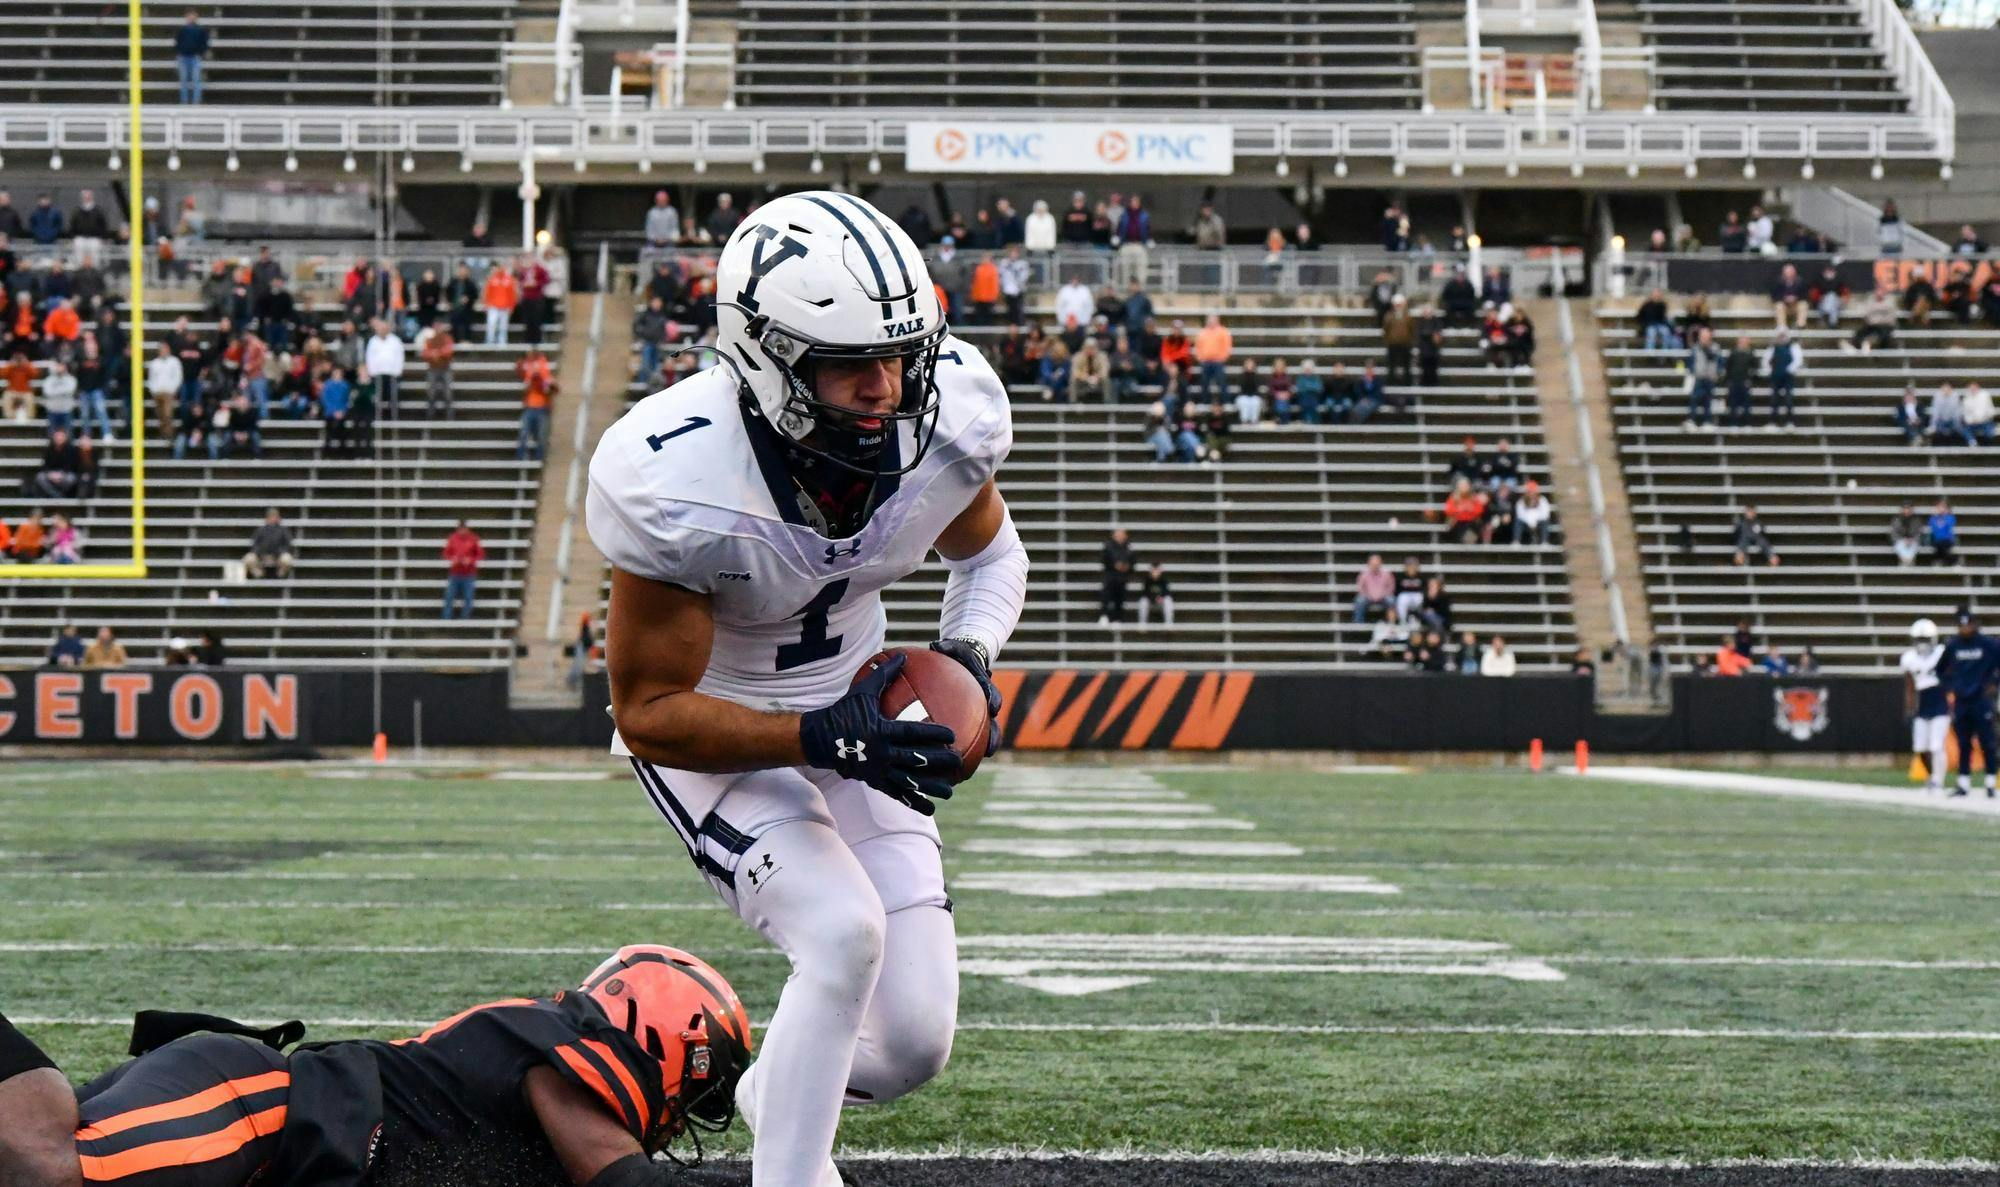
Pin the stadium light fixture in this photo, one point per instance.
(291, 162)
(818, 166)
(1806, 170)
(1340, 166)
(542, 237)
(1749, 170)
(173, 161)
(1399, 168)
(232, 163)
(1284, 167)
(1691, 169)
(1458, 168)
(580, 164)
(700, 165)
(348, 163)
(1576, 168)
(1513, 168)
(115, 163)
(1944, 171)
(465, 164)
(757, 163)
(409, 163)
(874, 163)
(1631, 168)
(645, 166)
(55, 161)
(1875, 171)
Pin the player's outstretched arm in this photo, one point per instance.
(593, 1147)
(656, 648)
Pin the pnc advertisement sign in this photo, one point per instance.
(1028, 147)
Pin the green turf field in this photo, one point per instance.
(1161, 959)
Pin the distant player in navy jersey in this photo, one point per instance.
(1970, 664)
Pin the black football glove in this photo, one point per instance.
(909, 761)
(973, 656)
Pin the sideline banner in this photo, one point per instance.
(1112, 146)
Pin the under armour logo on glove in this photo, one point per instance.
(909, 761)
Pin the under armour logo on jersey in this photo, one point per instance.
(761, 872)
(857, 752)
(834, 551)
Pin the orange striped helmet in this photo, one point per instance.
(684, 1014)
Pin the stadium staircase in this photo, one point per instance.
(1826, 491)
(369, 531)
(1262, 549)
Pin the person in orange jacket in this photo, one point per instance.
(984, 295)
(502, 293)
(1212, 348)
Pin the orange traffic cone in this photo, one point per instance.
(1582, 756)
(381, 748)
(1535, 755)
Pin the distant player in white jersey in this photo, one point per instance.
(1924, 700)
(753, 514)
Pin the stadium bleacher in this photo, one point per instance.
(323, 53)
(1826, 491)
(1263, 548)
(369, 579)
(1764, 55)
(1302, 56)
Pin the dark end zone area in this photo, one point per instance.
(1223, 1172)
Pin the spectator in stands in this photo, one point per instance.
(1410, 583)
(191, 47)
(983, 295)
(1464, 512)
(59, 472)
(649, 330)
(1942, 529)
(59, 388)
(1976, 412)
(93, 379)
(1468, 465)
(1739, 367)
(581, 649)
(382, 362)
(1783, 361)
(1278, 390)
(236, 431)
(1038, 232)
(1500, 523)
(1213, 347)
(1465, 660)
(1889, 230)
(164, 382)
(277, 313)
(1156, 596)
(1958, 294)
(1947, 420)
(1089, 374)
(1804, 241)
(1752, 542)
(1728, 661)
(1430, 346)
(1124, 367)
(88, 226)
(1159, 431)
(105, 651)
(1390, 639)
(1014, 283)
(336, 405)
(1132, 238)
(1532, 515)
(501, 294)
(1704, 368)
(1115, 561)
(1073, 229)
(1074, 305)
(723, 219)
(1686, 242)
(1395, 229)
(1920, 296)
(1656, 329)
(1055, 371)
(1427, 651)
(1504, 466)
(271, 548)
(1906, 535)
(1369, 395)
(1250, 388)
(437, 348)
(461, 295)
(62, 326)
(1788, 298)
(1215, 434)
(29, 542)
(538, 388)
(1399, 339)
(1493, 334)
(67, 650)
(10, 218)
(1374, 589)
(1829, 295)
(1382, 294)
(1308, 392)
(1208, 231)
(1497, 661)
(1759, 232)
(1520, 337)
(1910, 416)
(1435, 610)
(1733, 235)
(1459, 299)
(533, 276)
(45, 222)
(1008, 224)
(663, 221)
(1969, 243)
(463, 551)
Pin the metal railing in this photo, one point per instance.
(1854, 221)
(1663, 140)
(1930, 99)
(1586, 448)
(580, 447)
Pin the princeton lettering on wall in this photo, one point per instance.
(1024, 146)
(163, 706)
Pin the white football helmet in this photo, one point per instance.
(821, 275)
(1923, 635)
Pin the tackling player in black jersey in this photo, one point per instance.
(581, 1087)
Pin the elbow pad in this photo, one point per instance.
(985, 592)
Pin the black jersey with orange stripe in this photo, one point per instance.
(449, 1103)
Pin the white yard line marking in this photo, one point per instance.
(1357, 1158)
(259, 1016)
(1107, 807)
(1029, 792)
(1091, 884)
(225, 904)
(1812, 789)
(1075, 847)
(1065, 824)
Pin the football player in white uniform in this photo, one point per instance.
(752, 515)
(1924, 700)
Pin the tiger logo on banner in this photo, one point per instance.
(1800, 713)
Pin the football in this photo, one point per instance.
(937, 688)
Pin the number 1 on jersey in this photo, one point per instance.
(813, 644)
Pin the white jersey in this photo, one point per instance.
(1922, 671)
(680, 492)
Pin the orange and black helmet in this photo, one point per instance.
(686, 1016)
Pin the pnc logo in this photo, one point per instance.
(1113, 147)
(950, 144)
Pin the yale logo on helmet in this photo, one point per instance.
(760, 264)
(903, 329)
